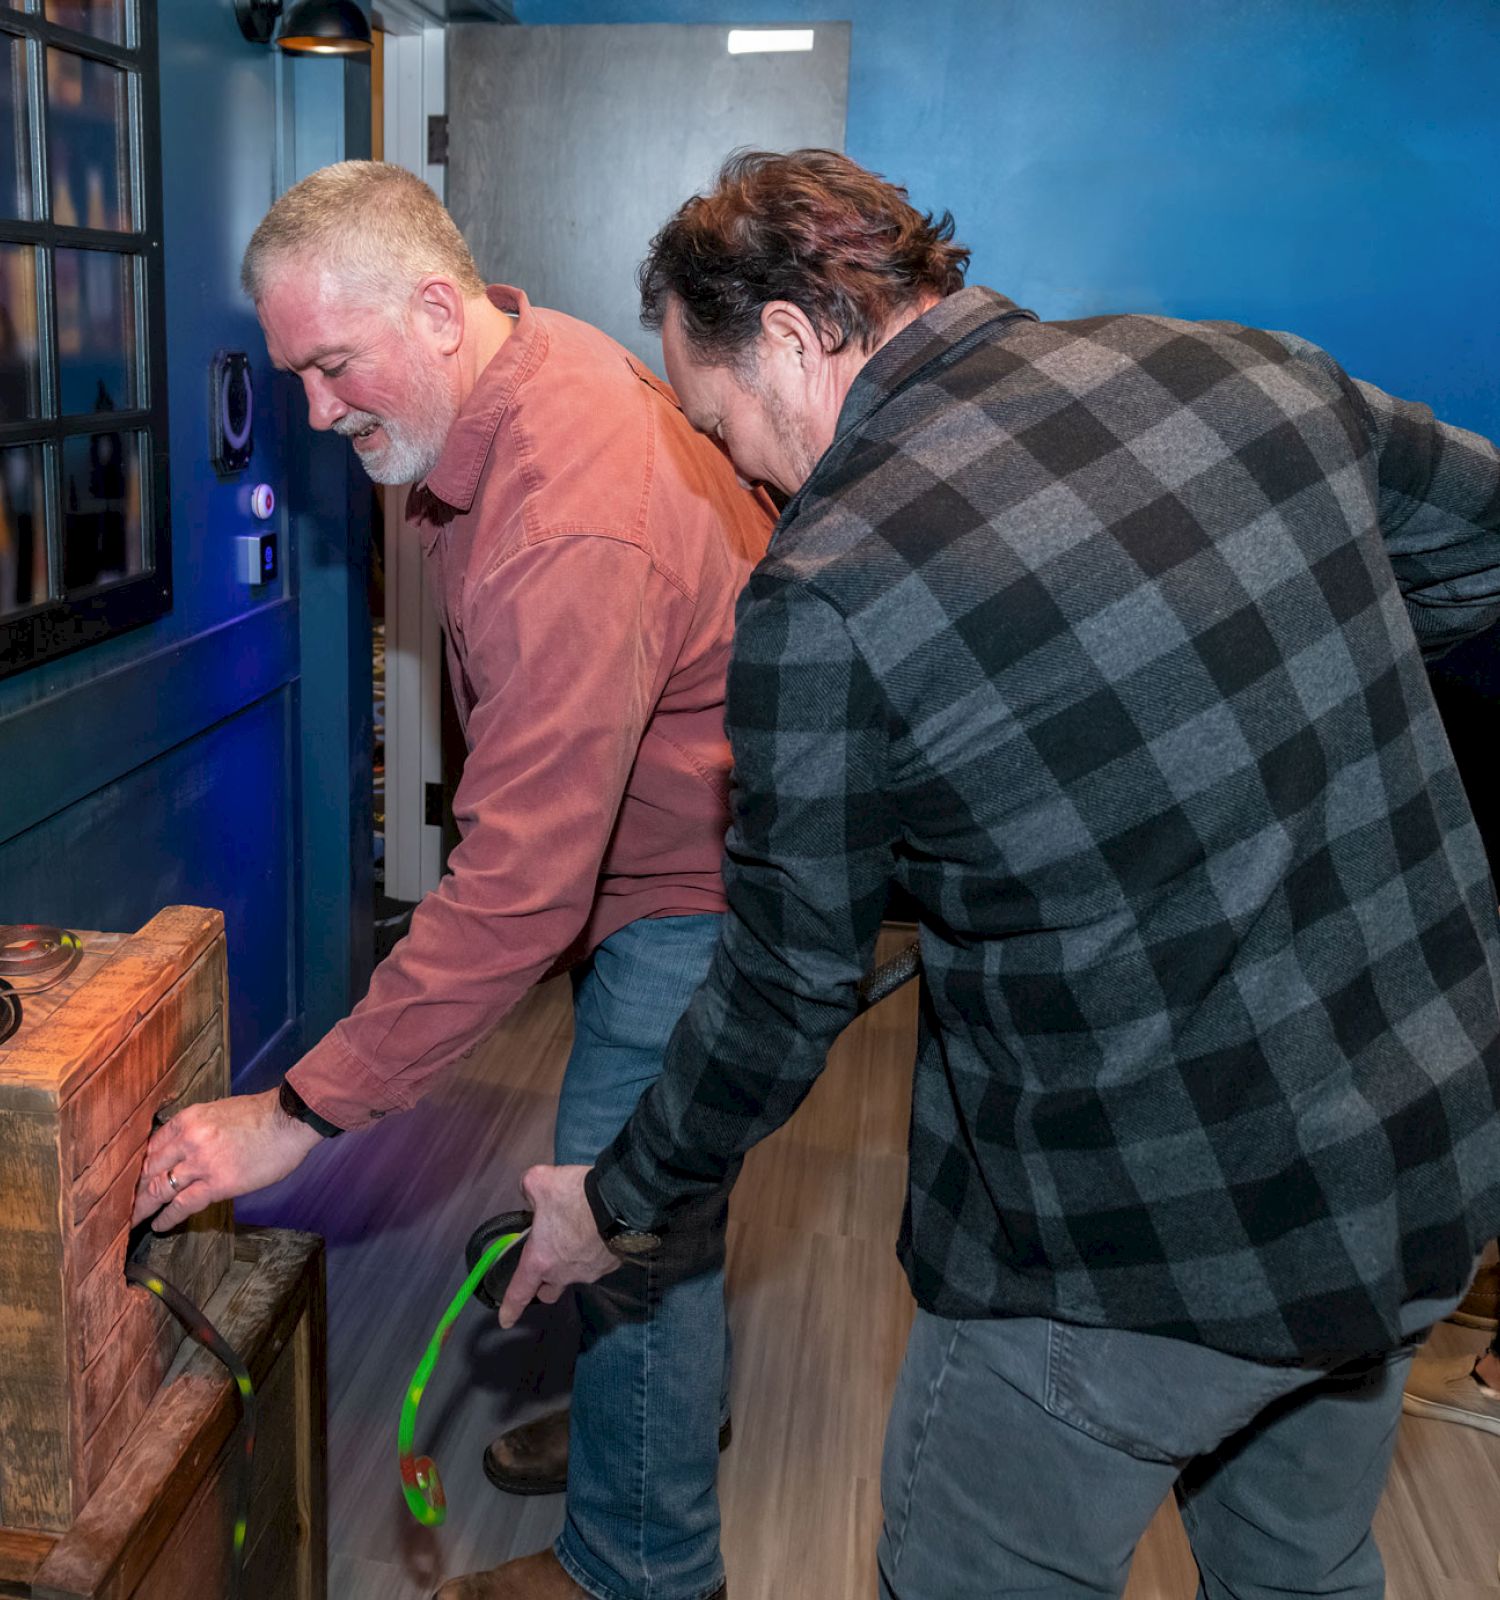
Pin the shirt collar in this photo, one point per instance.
(455, 478)
(936, 334)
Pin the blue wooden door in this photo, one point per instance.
(219, 755)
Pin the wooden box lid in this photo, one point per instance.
(66, 1032)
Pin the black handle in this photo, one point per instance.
(491, 1288)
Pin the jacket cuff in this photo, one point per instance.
(339, 1087)
(613, 1187)
(604, 1218)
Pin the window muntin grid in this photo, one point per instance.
(84, 537)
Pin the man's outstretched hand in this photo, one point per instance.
(215, 1151)
(564, 1245)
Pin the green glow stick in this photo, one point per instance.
(420, 1482)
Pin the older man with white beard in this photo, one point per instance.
(586, 547)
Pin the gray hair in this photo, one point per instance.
(378, 227)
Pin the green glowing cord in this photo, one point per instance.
(420, 1483)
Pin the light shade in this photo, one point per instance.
(325, 28)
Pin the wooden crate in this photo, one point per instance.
(140, 1023)
(159, 1526)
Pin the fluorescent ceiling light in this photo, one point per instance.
(748, 41)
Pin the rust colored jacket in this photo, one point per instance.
(586, 547)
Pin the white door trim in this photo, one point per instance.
(415, 85)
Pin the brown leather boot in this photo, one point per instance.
(538, 1577)
(533, 1458)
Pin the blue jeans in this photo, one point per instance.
(1025, 1457)
(649, 1389)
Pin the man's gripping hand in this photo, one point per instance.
(564, 1245)
(215, 1151)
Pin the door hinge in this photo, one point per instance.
(432, 803)
(437, 141)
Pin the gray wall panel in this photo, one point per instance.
(570, 146)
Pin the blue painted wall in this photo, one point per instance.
(172, 764)
(1327, 167)
(185, 829)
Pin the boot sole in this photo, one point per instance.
(1416, 1406)
(523, 1486)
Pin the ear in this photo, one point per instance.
(790, 336)
(438, 312)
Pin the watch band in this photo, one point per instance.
(604, 1218)
(626, 1240)
(298, 1109)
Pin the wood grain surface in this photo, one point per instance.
(141, 1022)
(158, 1526)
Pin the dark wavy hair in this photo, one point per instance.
(813, 228)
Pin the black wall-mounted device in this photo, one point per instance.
(231, 412)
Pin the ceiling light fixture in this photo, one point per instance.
(309, 27)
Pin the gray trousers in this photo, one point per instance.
(1025, 1457)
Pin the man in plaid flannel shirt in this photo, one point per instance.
(1105, 641)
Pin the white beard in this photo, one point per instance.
(412, 449)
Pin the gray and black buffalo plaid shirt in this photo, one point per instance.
(1104, 640)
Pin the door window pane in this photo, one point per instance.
(23, 541)
(84, 530)
(87, 146)
(19, 395)
(102, 534)
(15, 153)
(105, 19)
(96, 351)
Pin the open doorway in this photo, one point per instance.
(407, 90)
(392, 917)
(565, 127)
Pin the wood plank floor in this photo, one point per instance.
(819, 1309)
